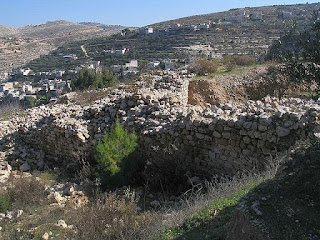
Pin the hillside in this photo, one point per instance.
(178, 144)
(20, 45)
(238, 31)
(286, 207)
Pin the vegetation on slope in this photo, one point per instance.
(88, 79)
(287, 207)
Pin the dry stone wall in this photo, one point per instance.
(217, 140)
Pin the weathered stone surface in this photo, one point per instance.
(282, 132)
(220, 136)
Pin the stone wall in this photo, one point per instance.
(217, 140)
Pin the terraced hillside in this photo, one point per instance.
(238, 31)
(20, 45)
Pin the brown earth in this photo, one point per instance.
(253, 83)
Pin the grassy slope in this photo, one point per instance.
(292, 208)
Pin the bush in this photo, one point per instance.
(239, 60)
(115, 217)
(5, 202)
(203, 67)
(230, 66)
(26, 191)
(112, 153)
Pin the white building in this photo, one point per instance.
(204, 26)
(120, 52)
(154, 64)
(213, 55)
(176, 26)
(6, 86)
(3, 76)
(24, 72)
(146, 31)
(26, 88)
(168, 65)
(71, 57)
(191, 28)
(59, 73)
(132, 64)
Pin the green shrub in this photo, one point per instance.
(203, 67)
(5, 202)
(113, 151)
(239, 60)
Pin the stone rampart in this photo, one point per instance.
(217, 140)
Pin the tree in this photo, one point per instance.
(88, 79)
(30, 101)
(112, 153)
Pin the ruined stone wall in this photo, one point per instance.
(217, 140)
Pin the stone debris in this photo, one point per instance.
(218, 139)
(62, 194)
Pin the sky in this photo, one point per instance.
(131, 13)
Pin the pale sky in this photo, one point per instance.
(133, 13)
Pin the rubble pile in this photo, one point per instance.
(220, 139)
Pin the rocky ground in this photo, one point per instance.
(286, 207)
(221, 138)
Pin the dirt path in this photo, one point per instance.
(84, 51)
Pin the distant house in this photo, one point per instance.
(59, 73)
(117, 52)
(93, 64)
(190, 28)
(132, 64)
(56, 92)
(153, 65)
(26, 88)
(176, 26)
(3, 76)
(213, 55)
(71, 57)
(120, 52)
(6, 86)
(24, 72)
(168, 65)
(146, 31)
(203, 26)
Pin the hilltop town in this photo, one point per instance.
(250, 31)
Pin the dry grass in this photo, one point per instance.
(85, 98)
(26, 192)
(9, 110)
(113, 217)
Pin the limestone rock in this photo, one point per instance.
(282, 132)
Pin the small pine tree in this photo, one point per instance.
(112, 151)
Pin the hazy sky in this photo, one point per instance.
(17, 13)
